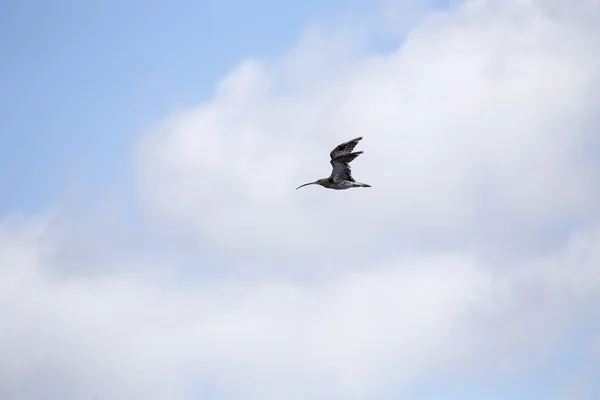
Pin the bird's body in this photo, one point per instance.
(342, 185)
(341, 176)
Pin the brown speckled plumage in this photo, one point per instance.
(341, 175)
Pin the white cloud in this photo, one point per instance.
(476, 128)
(479, 135)
(129, 335)
(133, 335)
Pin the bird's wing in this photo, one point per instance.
(341, 167)
(344, 148)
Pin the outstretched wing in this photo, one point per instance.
(341, 168)
(344, 148)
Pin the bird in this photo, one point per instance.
(341, 176)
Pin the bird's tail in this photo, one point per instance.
(360, 184)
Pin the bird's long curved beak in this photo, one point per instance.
(306, 184)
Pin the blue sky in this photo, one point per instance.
(82, 82)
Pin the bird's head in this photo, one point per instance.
(317, 182)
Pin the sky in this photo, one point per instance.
(152, 244)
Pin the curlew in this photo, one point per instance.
(341, 176)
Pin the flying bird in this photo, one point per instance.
(341, 176)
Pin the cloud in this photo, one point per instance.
(477, 128)
(480, 140)
(354, 335)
